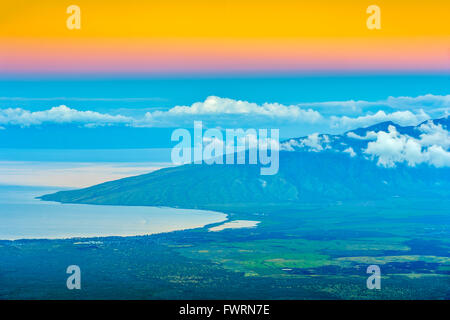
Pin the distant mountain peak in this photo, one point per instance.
(382, 126)
(427, 143)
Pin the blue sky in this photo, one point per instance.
(104, 95)
(297, 105)
(77, 116)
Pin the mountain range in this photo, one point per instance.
(313, 168)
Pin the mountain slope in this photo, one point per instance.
(303, 177)
(306, 174)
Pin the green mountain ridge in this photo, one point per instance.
(303, 177)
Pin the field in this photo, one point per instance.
(316, 251)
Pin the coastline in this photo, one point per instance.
(27, 218)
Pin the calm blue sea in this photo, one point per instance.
(24, 217)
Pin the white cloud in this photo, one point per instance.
(61, 114)
(217, 105)
(313, 142)
(429, 102)
(438, 157)
(289, 145)
(403, 118)
(392, 147)
(216, 108)
(434, 135)
(370, 135)
(246, 141)
(350, 151)
(410, 111)
(333, 116)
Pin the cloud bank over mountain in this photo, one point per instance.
(225, 112)
(386, 143)
(392, 147)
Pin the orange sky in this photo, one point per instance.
(226, 35)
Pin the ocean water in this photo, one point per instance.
(24, 217)
(236, 224)
(77, 168)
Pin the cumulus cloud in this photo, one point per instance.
(334, 116)
(438, 157)
(61, 114)
(223, 108)
(289, 145)
(401, 110)
(313, 142)
(430, 146)
(316, 142)
(403, 118)
(424, 101)
(246, 140)
(434, 135)
(392, 147)
(370, 135)
(430, 103)
(350, 151)
(217, 105)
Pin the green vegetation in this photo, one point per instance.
(304, 177)
(314, 251)
(324, 218)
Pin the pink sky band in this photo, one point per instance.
(222, 55)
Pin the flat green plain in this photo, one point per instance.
(312, 251)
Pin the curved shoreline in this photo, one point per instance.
(26, 218)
